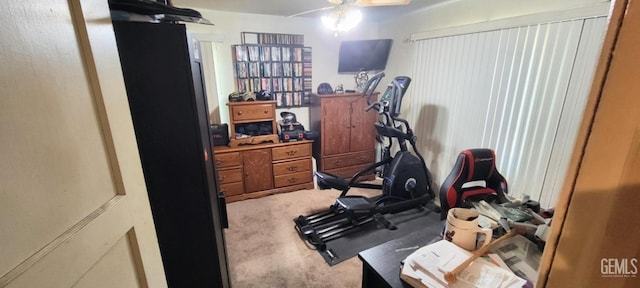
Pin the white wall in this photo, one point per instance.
(228, 27)
(457, 13)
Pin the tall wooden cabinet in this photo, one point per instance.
(347, 133)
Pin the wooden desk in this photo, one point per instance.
(381, 264)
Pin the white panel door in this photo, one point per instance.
(73, 204)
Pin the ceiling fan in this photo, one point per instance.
(343, 4)
(345, 15)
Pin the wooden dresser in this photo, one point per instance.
(347, 133)
(254, 171)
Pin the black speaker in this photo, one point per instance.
(219, 134)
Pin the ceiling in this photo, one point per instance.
(291, 7)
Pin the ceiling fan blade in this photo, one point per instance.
(382, 2)
(311, 11)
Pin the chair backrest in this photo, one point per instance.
(472, 165)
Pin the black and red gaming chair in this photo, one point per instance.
(472, 165)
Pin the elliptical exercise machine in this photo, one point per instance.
(406, 180)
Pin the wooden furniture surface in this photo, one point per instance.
(254, 171)
(347, 133)
(252, 112)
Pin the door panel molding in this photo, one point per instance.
(89, 234)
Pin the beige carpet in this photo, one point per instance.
(264, 249)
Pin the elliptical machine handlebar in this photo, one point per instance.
(370, 88)
(391, 100)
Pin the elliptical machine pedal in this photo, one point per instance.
(384, 221)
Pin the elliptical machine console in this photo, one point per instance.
(406, 180)
(391, 100)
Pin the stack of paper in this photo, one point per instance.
(426, 268)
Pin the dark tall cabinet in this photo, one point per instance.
(164, 83)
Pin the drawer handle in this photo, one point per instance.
(266, 111)
(221, 178)
(218, 161)
(239, 112)
(292, 168)
(293, 180)
(292, 152)
(337, 161)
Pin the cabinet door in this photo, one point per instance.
(257, 170)
(362, 129)
(337, 125)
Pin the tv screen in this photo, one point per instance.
(363, 55)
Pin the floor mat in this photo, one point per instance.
(373, 234)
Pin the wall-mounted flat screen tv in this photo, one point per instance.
(363, 55)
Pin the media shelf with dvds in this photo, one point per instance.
(278, 63)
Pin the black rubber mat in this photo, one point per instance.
(373, 234)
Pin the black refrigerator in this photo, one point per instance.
(164, 82)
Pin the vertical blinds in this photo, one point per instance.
(520, 91)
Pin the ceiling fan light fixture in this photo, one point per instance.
(342, 20)
(382, 2)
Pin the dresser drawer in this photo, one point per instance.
(293, 179)
(291, 151)
(229, 176)
(347, 172)
(349, 160)
(232, 189)
(231, 159)
(253, 112)
(291, 167)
